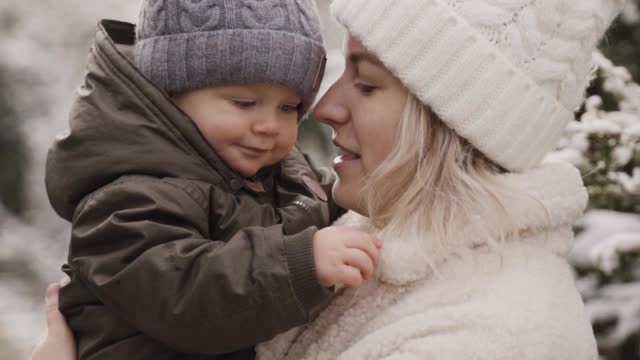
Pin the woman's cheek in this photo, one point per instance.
(349, 196)
(375, 154)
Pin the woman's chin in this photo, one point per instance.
(349, 197)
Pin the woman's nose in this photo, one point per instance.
(333, 109)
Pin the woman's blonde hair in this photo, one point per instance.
(434, 182)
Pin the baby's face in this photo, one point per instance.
(249, 126)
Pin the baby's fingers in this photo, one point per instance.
(366, 243)
(350, 276)
(360, 260)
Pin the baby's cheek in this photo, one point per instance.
(289, 142)
(281, 153)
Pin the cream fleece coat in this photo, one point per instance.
(518, 302)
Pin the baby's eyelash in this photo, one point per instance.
(244, 104)
(291, 108)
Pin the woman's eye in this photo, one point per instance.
(244, 104)
(291, 108)
(366, 89)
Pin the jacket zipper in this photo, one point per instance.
(307, 209)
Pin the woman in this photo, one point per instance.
(442, 117)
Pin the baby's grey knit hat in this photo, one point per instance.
(189, 44)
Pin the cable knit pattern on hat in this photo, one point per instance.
(189, 44)
(263, 14)
(504, 74)
(199, 16)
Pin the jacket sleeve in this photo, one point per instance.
(139, 247)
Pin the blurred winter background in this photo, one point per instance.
(43, 45)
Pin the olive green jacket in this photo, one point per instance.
(173, 255)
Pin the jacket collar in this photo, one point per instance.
(557, 187)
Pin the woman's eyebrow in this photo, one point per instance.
(356, 58)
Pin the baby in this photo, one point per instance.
(198, 227)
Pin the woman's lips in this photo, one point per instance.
(345, 158)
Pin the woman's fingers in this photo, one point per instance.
(56, 323)
(54, 317)
(360, 260)
(57, 342)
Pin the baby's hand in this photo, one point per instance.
(345, 255)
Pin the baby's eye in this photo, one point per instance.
(244, 104)
(365, 89)
(291, 108)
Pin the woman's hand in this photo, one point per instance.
(345, 255)
(58, 342)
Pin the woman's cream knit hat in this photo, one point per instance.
(507, 75)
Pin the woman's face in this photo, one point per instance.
(364, 108)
